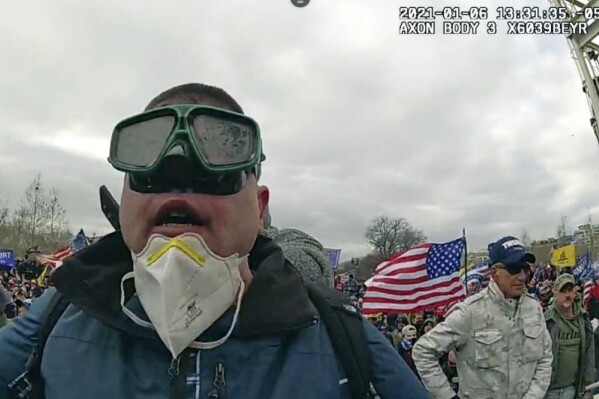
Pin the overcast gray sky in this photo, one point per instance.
(490, 133)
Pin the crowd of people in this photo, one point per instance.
(19, 287)
(570, 309)
(197, 293)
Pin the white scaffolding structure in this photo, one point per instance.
(585, 51)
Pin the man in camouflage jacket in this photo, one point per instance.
(502, 345)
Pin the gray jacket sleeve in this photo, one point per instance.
(450, 334)
(305, 253)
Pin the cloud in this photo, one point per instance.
(485, 132)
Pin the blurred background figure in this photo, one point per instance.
(409, 337)
(428, 325)
(474, 283)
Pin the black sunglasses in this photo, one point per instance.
(515, 268)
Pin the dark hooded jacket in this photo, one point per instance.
(279, 348)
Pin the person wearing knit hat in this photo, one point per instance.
(428, 325)
(303, 251)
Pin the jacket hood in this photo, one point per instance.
(276, 300)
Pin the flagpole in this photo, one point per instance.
(591, 231)
(465, 255)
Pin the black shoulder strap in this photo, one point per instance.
(344, 324)
(30, 384)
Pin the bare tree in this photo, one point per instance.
(4, 216)
(56, 223)
(35, 203)
(19, 230)
(39, 220)
(5, 226)
(388, 236)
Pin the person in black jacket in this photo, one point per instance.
(409, 335)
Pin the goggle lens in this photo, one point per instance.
(141, 143)
(223, 142)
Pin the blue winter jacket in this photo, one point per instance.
(279, 348)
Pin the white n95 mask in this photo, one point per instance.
(184, 288)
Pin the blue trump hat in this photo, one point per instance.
(509, 250)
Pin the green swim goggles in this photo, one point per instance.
(220, 141)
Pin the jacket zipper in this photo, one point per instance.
(218, 385)
(178, 379)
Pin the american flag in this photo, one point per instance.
(586, 293)
(583, 267)
(584, 271)
(483, 268)
(537, 274)
(421, 278)
(55, 260)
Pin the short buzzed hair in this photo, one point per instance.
(194, 93)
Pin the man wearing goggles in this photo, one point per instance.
(188, 300)
(222, 146)
(502, 345)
